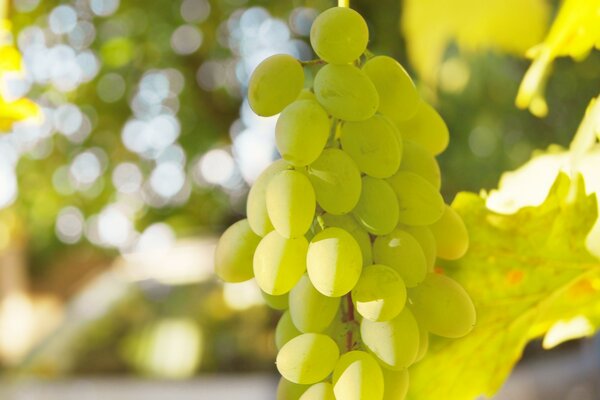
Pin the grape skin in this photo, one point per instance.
(235, 251)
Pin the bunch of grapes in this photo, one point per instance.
(343, 231)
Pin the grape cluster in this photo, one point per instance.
(343, 232)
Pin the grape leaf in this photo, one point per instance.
(524, 271)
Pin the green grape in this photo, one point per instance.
(346, 92)
(349, 224)
(417, 159)
(420, 203)
(442, 306)
(377, 209)
(319, 391)
(279, 302)
(398, 97)
(357, 376)
(256, 206)
(339, 35)
(274, 84)
(426, 128)
(307, 94)
(287, 390)
(285, 330)
(451, 235)
(334, 262)
(235, 251)
(279, 263)
(291, 203)
(301, 132)
(395, 384)
(426, 241)
(308, 358)
(374, 145)
(380, 293)
(394, 342)
(310, 310)
(401, 251)
(336, 181)
(423, 343)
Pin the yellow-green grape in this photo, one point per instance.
(380, 293)
(346, 92)
(336, 181)
(334, 262)
(426, 128)
(310, 310)
(374, 145)
(308, 358)
(427, 241)
(235, 252)
(395, 384)
(287, 390)
(285, 330)
(279, 302)
(301, 132)
(423, 343)
(419, 201)
(377, 209)
(319, 391)
(451, 235)
(339, 35)
(442, 306)
(417, 159)
(357, 376)
(401, 251)
(307, 94)
(350, 225)
(398, 97)
(394, 342)
(274, 84)
(279, 263)
(291, 203)
(256, 206)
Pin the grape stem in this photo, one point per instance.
(344, 3)
(349, 319)
(317, 61)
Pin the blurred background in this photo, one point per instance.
(110, 205)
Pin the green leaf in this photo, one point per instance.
(522, 271)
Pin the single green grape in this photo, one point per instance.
(442, 306)
(279, 302)
(395, 384)
(339, 35)
(357, 376)
(235, 251)
(336, 180)
(279, 263)
(301, 132)
(398, 96)
(256, 205)
(451, 235)
(426, 128)
(319, 391)
(426, 241)
(350, 225)
(419, 202)
(334, 262)
(374, 145)
(346, 92)
(377, 209)
(402, 252)
(310, 310)
(291, 203)
(380, 293)
(274, 84)
(394, 342)
(287, 390)
(285, 330)
(417, 159)
(308, 358)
